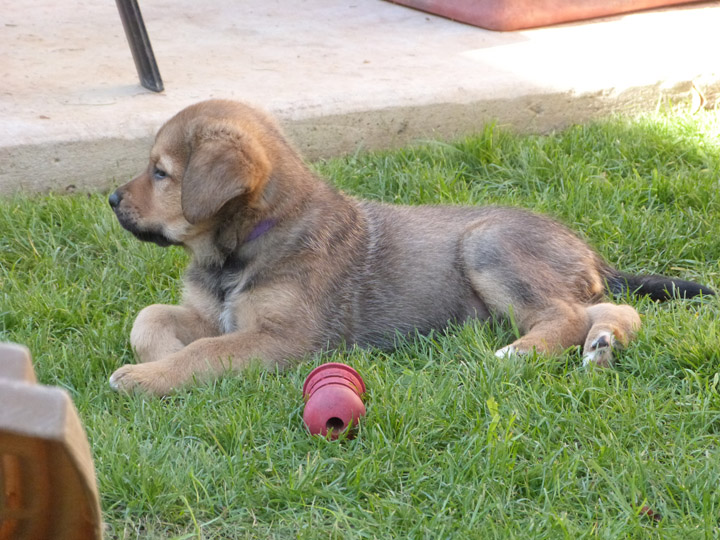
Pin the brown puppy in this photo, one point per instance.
(284, 265)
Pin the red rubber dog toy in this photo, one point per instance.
(333, 401)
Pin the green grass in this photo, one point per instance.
(456, 444)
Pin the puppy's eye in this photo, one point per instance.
(159, 174)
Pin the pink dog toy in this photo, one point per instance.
(333, 403)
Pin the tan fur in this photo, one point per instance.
(326, 268)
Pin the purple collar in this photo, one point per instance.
(260, 229)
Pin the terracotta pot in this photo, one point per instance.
(333, 399)
(507, 15)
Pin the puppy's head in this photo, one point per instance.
(206, 156)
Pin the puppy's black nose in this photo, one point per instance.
(115, 199)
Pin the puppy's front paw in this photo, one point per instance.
(140, 378)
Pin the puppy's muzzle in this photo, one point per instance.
(146, 235)
(115, 199)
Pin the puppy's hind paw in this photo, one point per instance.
(600, 350)
(506, 352)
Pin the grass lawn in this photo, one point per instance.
(456, 443)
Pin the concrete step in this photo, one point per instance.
(342, 75)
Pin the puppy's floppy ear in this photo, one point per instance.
(224, 162)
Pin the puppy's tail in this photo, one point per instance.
(658, 288)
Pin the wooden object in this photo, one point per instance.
(47, 477)
(506, 15)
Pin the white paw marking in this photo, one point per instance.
(506, 352)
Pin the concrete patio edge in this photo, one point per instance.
(100, 163)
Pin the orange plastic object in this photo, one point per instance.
(333, 395)
(506, 15)
(47, 477)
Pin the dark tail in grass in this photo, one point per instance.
(658, 288)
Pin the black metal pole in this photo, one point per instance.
(140, 45)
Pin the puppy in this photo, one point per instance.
(284, 265)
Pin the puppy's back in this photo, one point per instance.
(411, 277)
